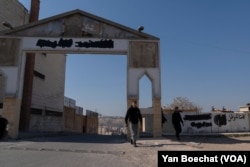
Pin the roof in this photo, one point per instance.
(77, 23)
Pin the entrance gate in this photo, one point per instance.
(78, 32)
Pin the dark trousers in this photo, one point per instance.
(133, 131)
(178, 130)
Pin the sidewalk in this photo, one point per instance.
(26, 135)
(231, 134)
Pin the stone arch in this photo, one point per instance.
(81, 32)
(147, 77)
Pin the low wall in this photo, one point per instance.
(46, 123)
(92, 124)
(73, 122)
(69, 118)
(216, 122)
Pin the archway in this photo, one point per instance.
(145, 92)
(80, 32)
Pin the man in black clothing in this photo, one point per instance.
(177, 120)
(3, 127)
(163, 118)
(133, 116)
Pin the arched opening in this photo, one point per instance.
(145, 103)
(145, 92)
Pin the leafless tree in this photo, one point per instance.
(184, 104)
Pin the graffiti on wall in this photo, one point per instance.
(67, 43)
(200, 125)
(197, 117)
(200, 118)
(222, 119)
(233, 117)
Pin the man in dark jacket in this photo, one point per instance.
(177, 120)
(133, 116)
(163, 118)
(3, 127)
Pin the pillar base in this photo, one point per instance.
(11, 111)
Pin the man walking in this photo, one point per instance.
(133, 116)
(177, 120)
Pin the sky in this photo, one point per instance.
(204, 53)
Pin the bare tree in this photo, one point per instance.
(184, 104)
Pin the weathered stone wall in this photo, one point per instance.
(74, 122)
(2, 90)
(13, 12)
(11, 112)
(9, 51)
(49, 81)
(92, 125)
(69, 118)
(46, 123)
(78, 124)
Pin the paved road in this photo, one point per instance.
(106, 151)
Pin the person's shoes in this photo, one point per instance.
(135, 144)
(178, 139)
(131, 141)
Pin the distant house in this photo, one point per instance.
(245, 108)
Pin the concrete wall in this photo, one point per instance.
(206, 122)
(2, 90)
(74, 122)
(13, 12)
(49, 82)
(69, 118)
(48, 93)
(230, 122)
(92, 125)
(79, 123)
(10, 63)
(46, 123)
(215, 122)
(12, 113)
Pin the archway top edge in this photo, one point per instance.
(77, 23)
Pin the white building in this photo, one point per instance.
(244, 108)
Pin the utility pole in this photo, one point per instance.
(28, 75)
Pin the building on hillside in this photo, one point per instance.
(221, 110)
(183, 110)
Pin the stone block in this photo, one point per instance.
(11, 111)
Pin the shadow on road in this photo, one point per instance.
(116, 139)
(222, 139)
(73, 138)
